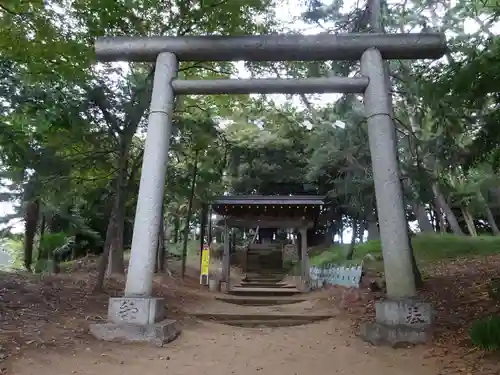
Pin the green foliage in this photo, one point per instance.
(47, 248)
(427, 247)
(268, 159)
(72, 132)
(50, 242)
(192, 249)
(69, 128)
(485, 333)
(45, 266)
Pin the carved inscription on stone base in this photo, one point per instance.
(135, 310)
(411, 313)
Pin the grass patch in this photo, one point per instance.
(427, 247)
(15, 249)
(336, 254)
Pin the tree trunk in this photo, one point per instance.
(450, 216)
(419, 282)
(299, 245)
(432, 218)
(495, 195)
(111, 261)
(489, 215)
(103, 262)
(469, 221)
(440, 222)
(436, 212)
(115, 263)
(210, 229)
(363, 227)
(42, 233)
(341, 232)
(161, 255)
(188, 216)
(176, 229)
(424, 223)
(491, 220)
(233, 240)
(350, 251)
(203, 225)
(373, 231)
(330, 231)
(160, 250)
(30, 226)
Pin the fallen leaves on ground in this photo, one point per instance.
(458, 290)
(41, 311)
(54, 311)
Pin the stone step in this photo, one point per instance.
(255, 276)
(259, 300)
(262, 281)
(261, 319)
(267, 323)
(276, 278)
(266, 272)
(250, 276)
(247, 284)
(246, 291)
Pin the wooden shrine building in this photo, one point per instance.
(268, 213)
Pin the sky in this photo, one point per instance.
(289, 13)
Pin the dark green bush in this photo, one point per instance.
(49, 242)
(485, 333)
(494, 289)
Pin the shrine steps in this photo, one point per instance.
(259, 284)
(263, 292)
(258, 320)
(268, 282)
(260, 300)
(264, 278)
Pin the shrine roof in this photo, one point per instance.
(309, 200)
(274, 205)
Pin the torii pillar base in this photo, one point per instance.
(399, 323)
(137, 319)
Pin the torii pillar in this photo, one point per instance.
(138, 316)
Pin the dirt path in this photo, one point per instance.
(209, 348)
(42, 317)
(326, 347)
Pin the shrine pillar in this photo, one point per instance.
(304, 265)
(226, 259)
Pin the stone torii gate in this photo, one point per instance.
(138, 315)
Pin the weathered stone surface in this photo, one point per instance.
(410, 313)
(304, 286)
(136, 310)
(157, 334)
(399, 323)
(395, 336)
(224, 287)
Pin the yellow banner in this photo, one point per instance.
(205, 260)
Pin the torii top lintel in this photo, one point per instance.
(275, 47)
